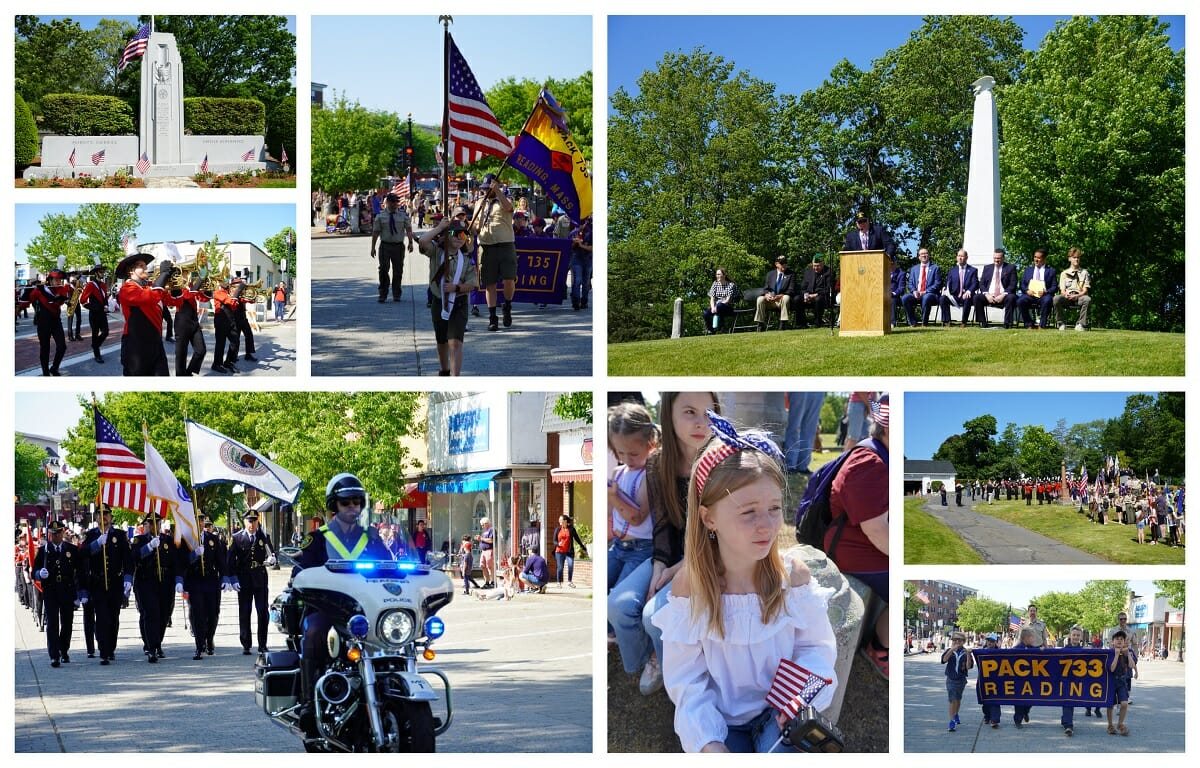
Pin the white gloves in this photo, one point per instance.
(237, 587)
(199, 550)
(154, 543)
(102, 539)
(83, 600)
(270, 559)
(78, 602)
(226, 586)
(128, 588)
(179, 589)
(43, 574)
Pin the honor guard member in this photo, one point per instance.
(110, 580)
(95, 299)
(498, 264)
(48, 300)
(142, 352)
(1037, 625)
(202, 577)
(155, 565)
(188, 332)
(56, 568)
(342, 538)
(240, 321)
(225, 329)
(391, 226)
(249, 556)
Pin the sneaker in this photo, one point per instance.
(1062, 326)
(651, 679)
(493, 323)
(877, 657)
(507, 314)
(957, 720)
(995, 723)
(1079, 327)
(542, 590)
(951, 728)
(571, 584)
(1069, 731)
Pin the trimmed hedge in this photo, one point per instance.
(209, 116)
(25, 133)
(73, 114)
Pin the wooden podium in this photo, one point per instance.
(866, 293)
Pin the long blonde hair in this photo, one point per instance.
(671, 459)
(702, 560)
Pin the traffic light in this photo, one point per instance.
(408, 157)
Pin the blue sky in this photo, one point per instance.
(1018, 592)
(931, 417)
(394, 63)
(161, 222)
(796, 53)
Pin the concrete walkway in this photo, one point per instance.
(1005, 543)
(170, 182)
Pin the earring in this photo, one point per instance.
(712, 534)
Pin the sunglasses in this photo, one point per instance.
(356, 501)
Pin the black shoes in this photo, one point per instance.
(150, 657)
(383, 299)
(197, 656)
(493, 323)
(250, 357)
(54, 663)
(245, 651)
(104, 662)
(507, 314)
(66, 659)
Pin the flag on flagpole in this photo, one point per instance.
(121, 473)
(283, 151)
(215, 458)
(71, 159)
(923, 596)
(135, 47)
(98, 157)
(546, 153)
(143, 163)
(248, 156)
(794, 687)
(163, 487)
(400, 189)
(204, 164)
(473, 125)
(1014, 623)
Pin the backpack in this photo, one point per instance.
(814, 517)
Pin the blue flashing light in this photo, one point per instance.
(434, 627)
(407, 567)
(364, 565)
(359, 626)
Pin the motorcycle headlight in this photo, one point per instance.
(396, 627)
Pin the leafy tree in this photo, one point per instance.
(1100, 602)
(1093, 156)
(1084, 446)
(982, 614)
(53, 57)
(574, 405)
(281, 130)
(969, 451)
(94, 229)
(1040, 454)
(29, 478)
(278, 247)
(1060, 610)
(25, 133)
(1175, 590)
(832, 411)
(351, 145)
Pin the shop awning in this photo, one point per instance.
(414, 498)
(463, 482)
(263, 504)
(572, 475)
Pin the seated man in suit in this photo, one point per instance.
(778, 287)
(1073, 286)
(899, 285)
(997, 288)
(924, 282)
(816, 291)
(1038, 285)
(961, 285)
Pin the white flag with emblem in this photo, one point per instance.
(215, 458)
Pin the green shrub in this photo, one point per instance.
(208, 116)
(74, 114)
(281, 130)
(25, 133)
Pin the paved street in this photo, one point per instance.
(1002, 542)
(521, 673)
(354, 335)
(274, 346)
(1155, 718)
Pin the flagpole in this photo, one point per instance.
(153, 514)
(199, 534)
(103, 547)
(504, 163)
(445, 21)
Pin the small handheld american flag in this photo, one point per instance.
(143, 163)
(248, 156)
(98, 157)
(204, 165)
(794, 687)
(71, 159)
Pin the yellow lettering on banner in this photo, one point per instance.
(1076, 690)
(1010, 687)
(1047, 688)
(1096, 667)
(988, 666)
(1006, 667)
(1096, 690)
(1039, 667)
(1027, 688)
(1021, 667)
(524, 162)
(989, 689)
(1064, 666)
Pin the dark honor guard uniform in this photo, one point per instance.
(110, 579)
(202, 575)
(56, 568)
(249, 555)
(155, 562)
(95, 300)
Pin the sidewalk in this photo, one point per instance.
(1001, 542)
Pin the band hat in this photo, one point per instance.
(127, 263)
(57, 527)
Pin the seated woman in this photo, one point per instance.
(721, 297)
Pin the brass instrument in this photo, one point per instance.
(253, 292)
(73, 301)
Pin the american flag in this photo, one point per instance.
(121, 473)
(143, 163)
(923, 596)
(249, 155)
(98, 157)
(204, 165)
(1083, 481)
(71, 159)
(473, 125)
(881, 411)
(135, 47)
(794, 687)
(125, 244)
(1014, 623)
(400, 189)
(283, 151)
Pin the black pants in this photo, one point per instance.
(391, 258)
(255, 597)
(89, 626)
(152, 620)
(98, 320)
(50, 327)
(170, 327)
(203, 604)
(108, 617)
(188, 334)
(243, 327)
(226, 336)
(60, 617)
(77, 319)
(817, 305)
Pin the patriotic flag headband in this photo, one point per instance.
(730, 442)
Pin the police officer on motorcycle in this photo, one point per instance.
(342, 538)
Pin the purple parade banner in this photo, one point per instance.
(1044, 677)
(542, 266)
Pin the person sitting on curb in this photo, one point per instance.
(535, 574)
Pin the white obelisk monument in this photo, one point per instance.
(982, 230)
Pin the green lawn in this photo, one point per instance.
(906, 352)
(1117, 543)
(928, 540)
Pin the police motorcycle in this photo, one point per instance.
(367, 695)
